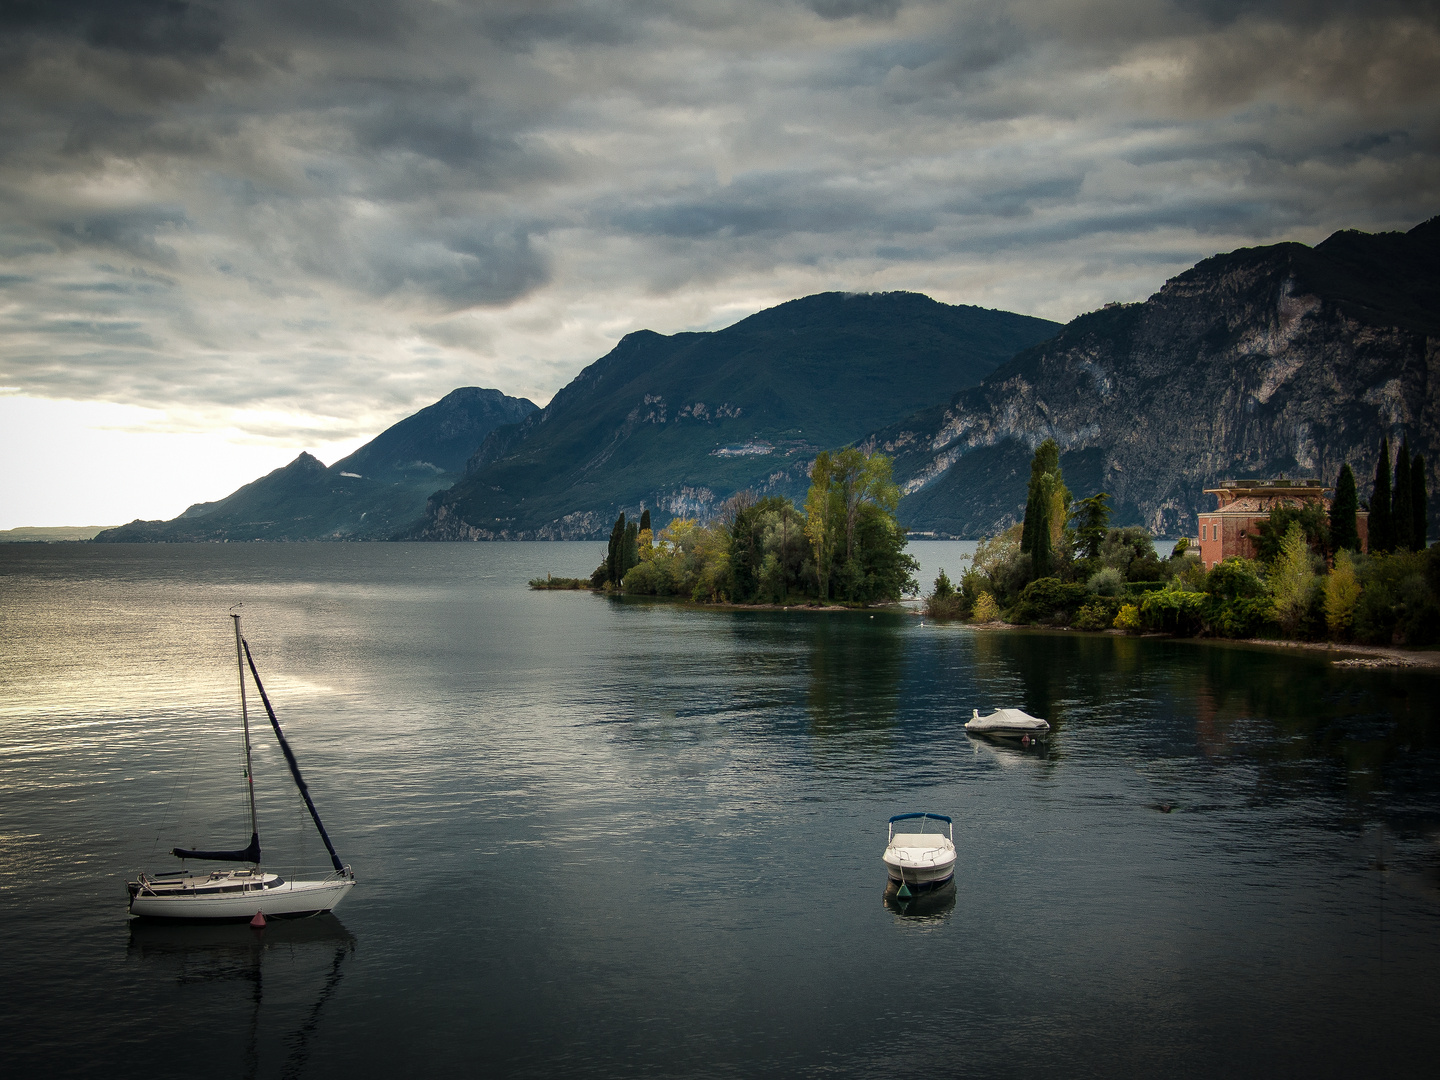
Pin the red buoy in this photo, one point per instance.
(258, 921)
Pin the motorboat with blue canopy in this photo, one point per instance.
(236, 893)
(918, 857)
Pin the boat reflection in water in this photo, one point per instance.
(1007, 751)
(305, 959)
(928, 907)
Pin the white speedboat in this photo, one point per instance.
(1007, 724)
(919, 861)
(235, 893)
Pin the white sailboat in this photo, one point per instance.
(242, 893)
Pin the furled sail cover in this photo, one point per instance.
(249, 854)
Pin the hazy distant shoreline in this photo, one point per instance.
(51, 534)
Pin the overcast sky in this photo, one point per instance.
(233, 231)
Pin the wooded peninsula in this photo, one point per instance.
(846, 547)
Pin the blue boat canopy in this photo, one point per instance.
(933, 817)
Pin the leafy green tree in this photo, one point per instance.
(1234, 579)
(985, 610)
(945, 601)
(1047, 503)
(1128, 619)
(1396, 604)
(766, 549)
(850, 522)
(1292, 579)
(1342, 591)
(880, 570)
(1419, 529)
(1381, 537)
(1091, 520)
(1402, 517)
(1344, 535)
(1131, 551)
(820, 513)
(629, 549)
(1270, 534)
(782, 539)
(1174, 611)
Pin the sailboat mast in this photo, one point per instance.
(245, 722)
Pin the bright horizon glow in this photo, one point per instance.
(95, 463)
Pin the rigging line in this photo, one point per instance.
(186, 774)
(290, 760)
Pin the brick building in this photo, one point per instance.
(1228, 529)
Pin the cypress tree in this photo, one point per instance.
(617, 542)
(1035, 534)
(1401, 517)
(644, 520)
(1092, 522)
(1419, 531)
(1343, 533)
(1380, 537)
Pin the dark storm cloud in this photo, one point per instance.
(329, 186)
(142, 27)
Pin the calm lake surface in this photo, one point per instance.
(609, 838)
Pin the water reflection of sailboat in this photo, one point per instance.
(922, 908)
(312, 949)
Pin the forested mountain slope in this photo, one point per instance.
(679, 423)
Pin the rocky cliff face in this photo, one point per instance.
(1274, 361)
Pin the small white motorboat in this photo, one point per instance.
(1007, 724)
(235, 893)
(920, 861)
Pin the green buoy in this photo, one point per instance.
(904, 891)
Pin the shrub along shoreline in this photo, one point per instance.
(1065, 566)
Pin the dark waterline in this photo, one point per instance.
(613, 838)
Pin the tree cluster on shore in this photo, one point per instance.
(1064, 565)
(845, 546)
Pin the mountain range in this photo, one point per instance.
(679, 423)
(378, 492)
(1283, 360)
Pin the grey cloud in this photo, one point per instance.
(451, 130)
(322, 181)
(469, 267)
(145, 27)
(131, 231)
(845, 9)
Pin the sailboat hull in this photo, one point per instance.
(290, 899)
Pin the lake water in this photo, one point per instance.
(608, 838)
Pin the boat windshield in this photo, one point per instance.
(921, 823)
